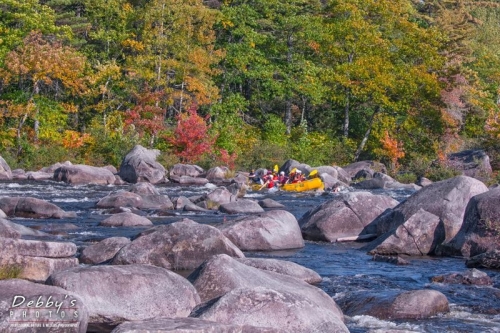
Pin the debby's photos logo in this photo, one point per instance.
(43, 311)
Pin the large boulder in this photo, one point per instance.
(371, 166)
(187, 325)
(84, 174)
(241, 206)
(283, 267)
(446, 199)
(32, 208)
(247, 295)
(472, 163)
(103, 251)
(181, 245)
(346, 215)
(282, 310)
(114, 294)
(126, 219)
(37, 260)
(480, 230)
(53, 309)
(394, 305)
(417, 236)
(140, 165)
(5, 171)
(272, 230)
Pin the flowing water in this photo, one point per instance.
(344, 267)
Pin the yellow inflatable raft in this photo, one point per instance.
(306, 185)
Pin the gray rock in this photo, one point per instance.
(346, 215)
(472, 163)
(10, 229)
(188, 180)
(262, 298)
(5, 171)
(144, 189)
(270, 203)
(114, 294)
(217, 174)
(446, 199)
(282, 310)
(50, 169)
(179, 170)
(394, 305)
(383, 181)
(417, 236)
(37, 259)
(480, 231)
(76, 313)
(371, 166)
(470, 277)
(39, 175)
(32, 208)
(422, 181)
(84, 174)
(140, 165)
(326, 169)
(396, 260)
(291, 164)
(284, 267)
(134, 200)
(181, 245)
(125, 219)
(186, 325)
(490, 259)
(103, 251)
(241, 206)
(272, 230)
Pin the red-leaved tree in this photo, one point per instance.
(191, 139)
(147, 116)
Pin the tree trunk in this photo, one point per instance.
(367, 134)
(346, 115)
(347, 105)
(288, 103)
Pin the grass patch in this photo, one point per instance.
(10, 272)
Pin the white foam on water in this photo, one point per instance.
(14, 185)
(464, 313)
(384, 325)
(254, 195)
(210, 186)
(86, 233)
(71, 200)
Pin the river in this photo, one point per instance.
(343, 266)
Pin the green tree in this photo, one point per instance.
(271, 47)
(378, 60)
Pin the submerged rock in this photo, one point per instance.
(394, 305)
(32, 208)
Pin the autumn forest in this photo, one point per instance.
(250, 83)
